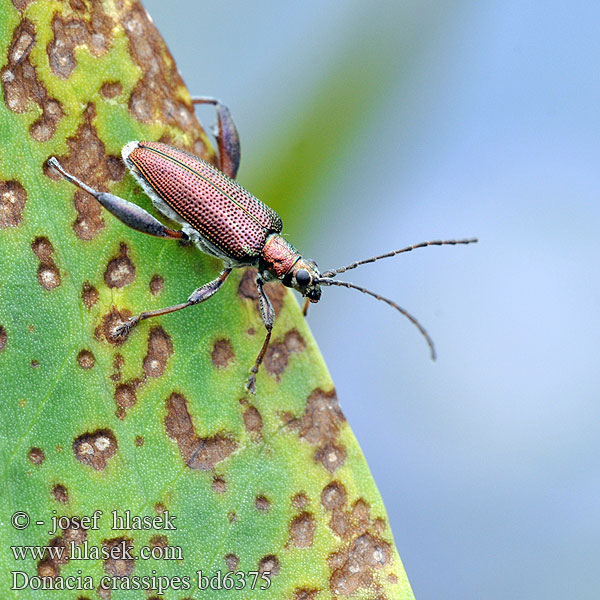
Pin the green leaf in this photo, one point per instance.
(159, 424)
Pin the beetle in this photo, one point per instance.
(226, 221)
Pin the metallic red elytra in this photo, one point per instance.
(223, 220)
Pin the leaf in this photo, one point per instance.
(159, 424)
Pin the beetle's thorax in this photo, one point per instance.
(278, 256)
(280, 260)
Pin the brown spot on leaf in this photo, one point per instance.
(36, 455)
(198, 453)
(294, 342)
(22, 85)
(333, 496)
(42, 248)
(232, 562)
(111, 89)
(121, 562)
(262, 503)
(232, 516)
(116, 167)
(160, 508)
(60, 493)
(21, 5)
(48, 568)
(109, 322)
(320, 426)
(48, 274)
(88, 161)
(35, 364)
(219, 485)
(118, 362)
(363, 550)
(92, 29)
(379, 525)
(289, 421)
(125, 398)
(302, 530)
(96, 448)
(322, 418)
(305, 594)
(157, 283)
(332, 456)
(300, 500)
(12, 202)
(62, 556)
(222, 353)
(78, 5)
(86, 359)
(276, 360)
(48, 277)
(45, 127)
(3, 338)
(50, 565)
(340, 524)
(89, 216)
(277, 355)
(120, 270)
(76, 532)
(159, 541)
(252, 421)
(139, 441)
(247, 289)
(153, 97)
(269, 564)
(353, 566)
(103, 593)
(89, 295)
(160, 349)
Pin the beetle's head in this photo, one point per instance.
(304, 277)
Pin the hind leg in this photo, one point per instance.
(127, 212)
(227, 136)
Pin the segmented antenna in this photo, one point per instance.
(334, 272)
(328, 281)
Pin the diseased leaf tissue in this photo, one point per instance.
(159, 423)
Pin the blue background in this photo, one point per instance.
(484, 121)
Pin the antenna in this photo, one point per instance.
(334, 272)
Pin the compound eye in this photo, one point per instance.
(303, 277)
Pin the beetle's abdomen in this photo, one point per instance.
(221, 210)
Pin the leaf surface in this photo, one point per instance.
(159, 424)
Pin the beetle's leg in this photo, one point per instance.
(305, 306)
(200, 295)
(227, 136)
(268, 316)
(129, 213)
